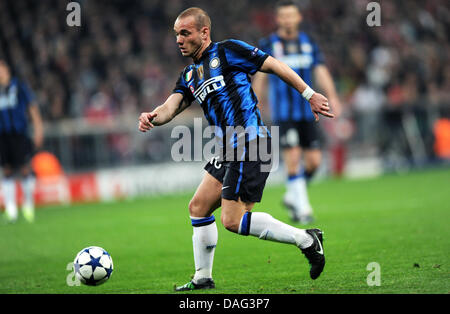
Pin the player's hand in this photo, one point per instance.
(145, 121)
(319, 105)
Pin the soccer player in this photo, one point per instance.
(17, 104)
(219, 81)
(298, 130)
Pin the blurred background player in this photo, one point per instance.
(298, 131)
(16, 148)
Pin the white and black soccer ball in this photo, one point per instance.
(93, 266)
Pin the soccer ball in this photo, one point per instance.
(93, 266)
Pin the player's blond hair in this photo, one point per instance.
(202, 18)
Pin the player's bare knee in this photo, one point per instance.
(197, 208)
(229, 222)
(314, 165)
(313, 160)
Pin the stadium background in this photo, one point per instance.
(92, 82)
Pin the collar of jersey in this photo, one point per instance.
(205, 53)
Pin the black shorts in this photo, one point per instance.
(240, 179)
(299, 133)
(16, 150)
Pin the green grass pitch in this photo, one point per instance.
(400, 222)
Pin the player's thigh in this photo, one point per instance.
(232, 212)
(207, 197)
(244, 183)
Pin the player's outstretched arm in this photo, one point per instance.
(164, 113)
(318, 102)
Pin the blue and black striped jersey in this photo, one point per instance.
(302, 55)
(220, 82)
(14, 102)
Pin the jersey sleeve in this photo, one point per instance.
(264, 44)
(182, 88)
(243, 56)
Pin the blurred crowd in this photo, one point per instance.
(123, 58)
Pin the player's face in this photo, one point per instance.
(189, 38)
(288, 18)
(4, 73)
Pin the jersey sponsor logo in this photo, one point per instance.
(9, 100)
(292, 48)
(306, 47)
(209, 86)
(297, 61)
(214, 63)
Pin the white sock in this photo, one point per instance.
(264, 226)
(297, 195)
(9, 196)
(290, 195)
(204, 241)
(28, 186)
(304, 207)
